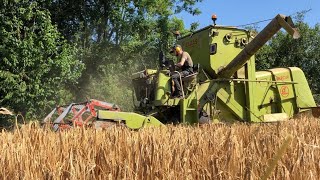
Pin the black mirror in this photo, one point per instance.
(162, 59)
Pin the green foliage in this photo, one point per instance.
(35, 60)
(116, 38)
(284, 51)
(55, 52)
(116, 86)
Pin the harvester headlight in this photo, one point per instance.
(244, 41)
(228, 37)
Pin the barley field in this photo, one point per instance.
(286, 150)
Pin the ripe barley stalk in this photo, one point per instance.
(216, 151)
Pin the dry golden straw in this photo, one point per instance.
(219, 151)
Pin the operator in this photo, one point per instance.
(186, 65)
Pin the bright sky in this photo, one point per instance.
(236, 12)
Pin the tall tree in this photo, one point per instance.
(35, 61)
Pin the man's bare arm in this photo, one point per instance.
(180, 64)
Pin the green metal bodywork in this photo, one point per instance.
(131, 120)
(215, 95)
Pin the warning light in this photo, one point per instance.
(214, 18)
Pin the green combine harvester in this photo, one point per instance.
(225, 86)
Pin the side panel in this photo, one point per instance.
(227, 50)
(275, 94)
(288, 92)
(223, 101)
(232, 100)
(197, 45)
(201, 45)
(162, 90)
(302, 89)
(131, 120)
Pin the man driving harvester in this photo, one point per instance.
(186, 65)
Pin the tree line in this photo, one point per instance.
(56, 52)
